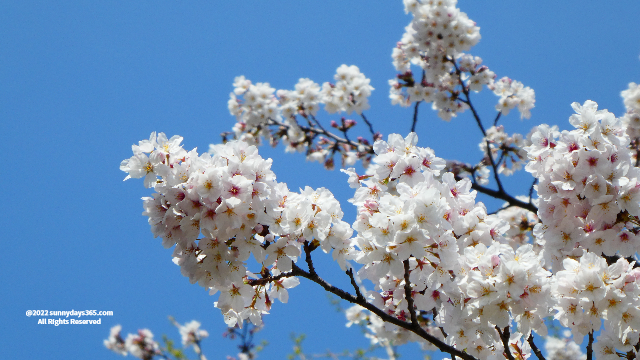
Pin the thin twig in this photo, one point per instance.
(373, 133)
(535, 348)
(317, 122)
(415, 116)
(495, 122)
(266, 280)
(354, 284)
(334, 137)
(501, 158)
(473, 111)
(497, 211)
(496, 176)
(408, 295)
(535, 181)
(504, 196)
(344, 131)
(467, 101)
(307, 251)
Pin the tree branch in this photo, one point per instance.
(266, 280)
(297, 271)
(334, 137)
(373, 133)
(467, 101)
(501, 194)
(408, 295)
(504, 336)
(496, 176)
(355, 285)
(307, 251)
(415, 116)
(535, 181)
(535, 348)
(590, 347)
(495, 122)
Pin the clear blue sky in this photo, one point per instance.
(80, 82)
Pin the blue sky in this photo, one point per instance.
(80, 82)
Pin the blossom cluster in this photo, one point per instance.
(419, 227)
(289, 115)
(254, 105)
(140, 345)
(589, 208)
(143, 346)
(422, 239)
(435, 40)
(513, 93)
(589, 290)
(191, 333)
(350, 92)
(220, 208)
(589, 193)
(438, 31)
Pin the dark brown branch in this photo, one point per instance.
(512, 201)
(590, 347)
(334, 137)
(495, 122)
(467, 101)
(266, 280)
(297, 271)
(415, 116)
(408, 295)
(307, 251)
(344, 130)
(496, 176)
(535, 348)
(501, 158)
(355, 285)
(535, 181)
(373, 133)
(318, 123)
(473, 111)
(504, 336)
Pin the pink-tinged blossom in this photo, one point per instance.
(282, 254)
(279, 288)
(115, 342)
(234, 298)
(142, 345)
(142, 166)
